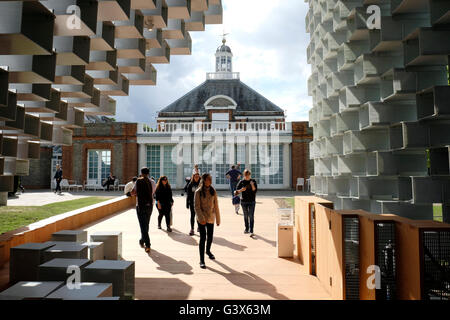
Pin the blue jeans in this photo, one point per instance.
(144, 215)
(249, 215)
(233, 185)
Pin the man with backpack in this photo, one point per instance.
(143, 190)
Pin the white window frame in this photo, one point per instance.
(99, 164)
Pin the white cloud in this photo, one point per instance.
(269, 42)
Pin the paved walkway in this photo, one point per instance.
(244, 268)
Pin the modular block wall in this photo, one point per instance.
(63, 59)
(380, 111)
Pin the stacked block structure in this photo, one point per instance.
(64, 59)
(44, 270)
(381, 105)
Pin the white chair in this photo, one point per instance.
(73, 185)
(92, 185)
(120, 186)
(65, 184)
(300, 182)
(116, 185)
(308, 184)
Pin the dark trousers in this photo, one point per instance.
(58, 185)
(191, 206)
(206, 235)
(233, 185)
(249, 215)
(164, 212)
(108, 183)
(144, 214)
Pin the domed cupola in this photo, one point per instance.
(224, 58)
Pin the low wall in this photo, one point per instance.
(41, 231)
(330, 258)
(302, 223)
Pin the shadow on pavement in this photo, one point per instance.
(248, 281)
(170, 264)
(161, 289)
(226, 243)
(184, 238)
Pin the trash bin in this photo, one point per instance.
(285, 233)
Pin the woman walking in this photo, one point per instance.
(207, 212)
(248, 188)
(163, 196)
(191, 187)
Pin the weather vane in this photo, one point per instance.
(223, 37)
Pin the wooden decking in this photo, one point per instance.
(244, 268)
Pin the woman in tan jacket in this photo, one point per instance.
(207, 212)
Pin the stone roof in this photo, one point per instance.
(249, 102)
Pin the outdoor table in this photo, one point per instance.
(56, 269)
(112, 241)
(30, 290)
(69, 250)
(70, 235)
(25, 260)
(87, 291)
(96, 250)
(120, 273)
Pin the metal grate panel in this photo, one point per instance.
(385, 259)
(351, 257)
(436, 265)
(312, 232)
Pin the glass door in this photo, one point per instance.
(99, 166)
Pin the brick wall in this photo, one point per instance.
(118, 137)
(302, 166)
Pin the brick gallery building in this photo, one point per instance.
(219, 123)
(100, 148)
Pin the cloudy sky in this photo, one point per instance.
(268, 40)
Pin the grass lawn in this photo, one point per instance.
(285, 202)
(14, 217)
(290, 202)
(437, 212)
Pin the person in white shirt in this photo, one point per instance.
(129, 186)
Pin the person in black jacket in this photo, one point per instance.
(192, 186)
(58, 177)
(163, 196)
(248, 188)
(143, 190)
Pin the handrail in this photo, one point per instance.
(215, 126)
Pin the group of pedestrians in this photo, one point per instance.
(201, 200)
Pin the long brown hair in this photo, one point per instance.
(201, 186)
(193, 175)
(161, 185)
